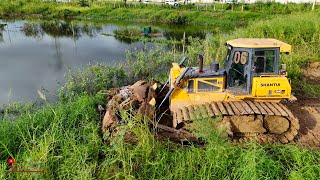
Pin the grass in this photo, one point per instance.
(140, 64)
(305, 89)
(143, 39)
(65, 140)
(50, 137)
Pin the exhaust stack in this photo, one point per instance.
(200, 63)
(214, 66)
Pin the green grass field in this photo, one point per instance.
(65, 139)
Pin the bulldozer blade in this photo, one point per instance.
(152, 102)
(154, 86)
(180, 64)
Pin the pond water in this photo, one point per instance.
(34, 55)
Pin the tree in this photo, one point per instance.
(83, 3)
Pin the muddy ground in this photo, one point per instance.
(307, 110)
(308, 113)
(312, 73)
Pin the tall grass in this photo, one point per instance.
(65, 141)
(62, 139)
(148, 64)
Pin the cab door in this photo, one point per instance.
(265, 68)
(239, 74)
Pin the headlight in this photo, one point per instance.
(280, 91)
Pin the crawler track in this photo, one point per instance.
(265, 122)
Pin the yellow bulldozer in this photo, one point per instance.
(246, 94)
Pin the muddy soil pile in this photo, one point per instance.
(307, 110)
(308, 113)
(312, 73)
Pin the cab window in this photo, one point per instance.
(202, 86)
(237, 78)
(264, 61)
(191, 86)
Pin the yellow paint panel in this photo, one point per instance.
(175, 73)
(181, 97)
(271, 87)
(264, 88)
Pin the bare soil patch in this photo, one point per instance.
(312, 73)
(308, 113)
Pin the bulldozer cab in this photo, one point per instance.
(251, 72)
(251, 57)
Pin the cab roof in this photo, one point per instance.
(260, 43)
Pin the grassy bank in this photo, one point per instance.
(64, 139)
(222, 15)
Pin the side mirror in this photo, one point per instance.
(283, 70)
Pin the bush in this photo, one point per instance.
(92, 79)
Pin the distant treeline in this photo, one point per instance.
(211, 14)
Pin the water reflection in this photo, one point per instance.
(36, 54)
(2, 26)
(60, 29)
(131, 40)
(136, 34)
(59, 63)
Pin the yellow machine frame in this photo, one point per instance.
(264, 88)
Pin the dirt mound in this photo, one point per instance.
(312, 73)
(308, 113)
